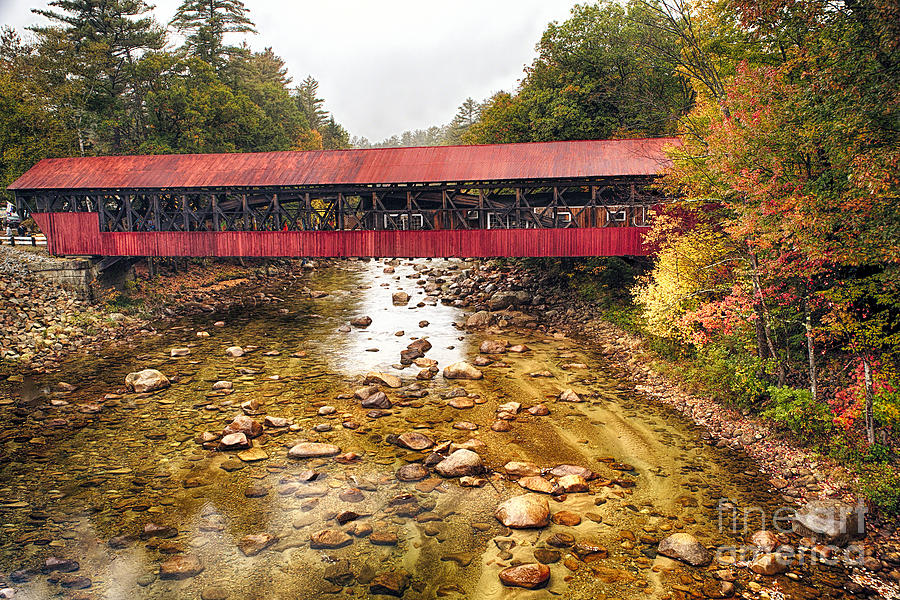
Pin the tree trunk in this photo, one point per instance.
(762, 313)
(869, 416)
(810, 348)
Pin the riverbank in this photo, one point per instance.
(795, 473)
(42, 323)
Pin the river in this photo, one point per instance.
(119, 483)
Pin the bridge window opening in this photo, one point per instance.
(402, 221)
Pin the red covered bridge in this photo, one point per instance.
(578, 198)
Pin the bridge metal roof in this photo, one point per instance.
(420, 165)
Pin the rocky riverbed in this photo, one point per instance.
(392, 429)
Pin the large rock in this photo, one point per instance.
(569, 395)
(480, 320)
(527, 511)
(414, 440)
(521, 469)
(313, 450)
(393, 583)
(246, 425)
(770, 563)
(379, 378)
(492, 347)
(831, 521)
(501, 300)
(329, 539)
(180, 567)
(234, 351)
(462, 370)
(363, 321)
(462, 462)
(400, 298)
(377, 400)
(686, 548)
(147, 380)
(234, 441)
(529, 575)
(253, 544)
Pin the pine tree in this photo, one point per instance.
(92, 50)
(205, 22)
(310, 104)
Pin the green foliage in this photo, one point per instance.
(797, 411)
(593, 78)
(205, 23)
(880, 484)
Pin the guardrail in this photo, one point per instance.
(22, 240)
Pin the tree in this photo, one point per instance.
(205, 23)
(92, 51)
(334, 136)
(465, 117)
(310, 104)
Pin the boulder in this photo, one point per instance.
(421, 344)
(459, 463)
(244, 424)
(329, 539)
(147, 380)
(234, 351)
(414, 440)
(686, 548)
(527, 511)
(529, 576)
(769, 563)
(492, 347)
(521, 469)
(377, 400)
(363, 321)
(253, 544)
(501, 300)
(765, 540)
(569, 395)
(313, 450)
(462, 370)
(234, 441)
(181, 566)
(831, 521)
(535, 483)
(480, 320)
(378, 378)
(399, 298)
(572, 484)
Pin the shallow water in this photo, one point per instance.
(71, 480)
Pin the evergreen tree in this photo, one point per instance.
(91, 51)
(205, 22)
(310, 104)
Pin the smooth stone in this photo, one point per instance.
(459, 463)
(148, 380)
(329, 539)
(528, 576)
(462, 370)
(313, 450)
(686, 548)
(182, 566)
(524, 512)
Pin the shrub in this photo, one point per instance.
(880, 484)
(796, 410)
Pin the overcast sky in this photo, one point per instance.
(390, 65)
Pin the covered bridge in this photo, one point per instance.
(575, 198)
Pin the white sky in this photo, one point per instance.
(385, 66)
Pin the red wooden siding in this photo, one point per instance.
(495, 162)
(79, 234)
